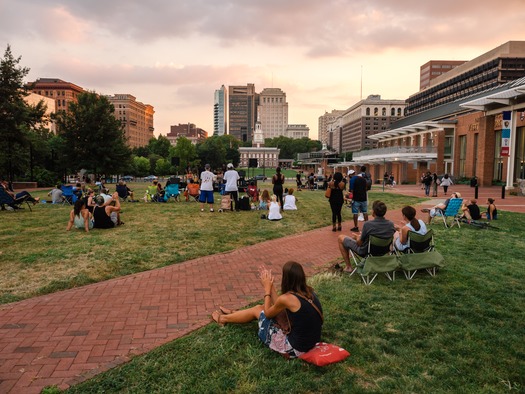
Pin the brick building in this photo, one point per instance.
(187, 130)
(62, 92)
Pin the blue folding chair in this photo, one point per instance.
(69, 197)
(172, 190)
(451, 211)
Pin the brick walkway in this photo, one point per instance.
(67, 337)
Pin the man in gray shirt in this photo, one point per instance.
(379, 227)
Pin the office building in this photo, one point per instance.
(219, 111)
(297, 131)
(242, 111)
(434, 68)
(494, 68)
(187, 130)
(273, 111)
(324, 125)
(136, 118)
(61, 91)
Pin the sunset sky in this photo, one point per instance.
(174, 54)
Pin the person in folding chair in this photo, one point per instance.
(412, 224)
(441, 207)
(379, 227)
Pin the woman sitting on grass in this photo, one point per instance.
(290, 201)
(412, 224)
(492, 211)
(275, 209)
(264, 200)
(80, 217)
(297, 300)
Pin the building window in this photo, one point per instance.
(376, 111)
(399, 112)
(383, 112)
(392, 112)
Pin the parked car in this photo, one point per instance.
(150, 178)
(260, 177)
(127, 178)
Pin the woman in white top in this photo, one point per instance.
(446, 182)
(80, 217)
(275, 209)
(289, 201)
(418, 226)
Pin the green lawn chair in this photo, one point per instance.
(380, 259)
(421, 254)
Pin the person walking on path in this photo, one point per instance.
(427, 182)
(336, 199)
(446, 181)
(232, 177)
(206, 193)
(278, 181)
(435, 184)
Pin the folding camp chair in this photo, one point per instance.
(452, 211)
(68, 196)
(15, 203)
(122, 191)
(381, 258)
(151, 194)
(421, 254)
(172, 190)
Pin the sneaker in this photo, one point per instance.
(425, 210)
(355, 229)
(211, 210)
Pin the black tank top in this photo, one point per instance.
(101, 219)
(306, 325)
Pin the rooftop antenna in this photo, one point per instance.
(361, 82)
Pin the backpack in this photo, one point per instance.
(244, 203)
(368, 179)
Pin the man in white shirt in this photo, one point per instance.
(206, 190)
(232, 177)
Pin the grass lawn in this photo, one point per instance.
(461, 331)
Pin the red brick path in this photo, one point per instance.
(67, 337)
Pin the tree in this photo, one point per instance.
(141, 166)
(160, 146)
(212, 152)
(163, 167)
(94, 138)
(185, 151)
(18, 119)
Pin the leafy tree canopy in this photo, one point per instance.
(94, 138)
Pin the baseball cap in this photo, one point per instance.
(351, 172)
(230, 165)
(207, 166)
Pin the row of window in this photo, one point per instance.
(50, 93)
(277, 100)
(383, 111)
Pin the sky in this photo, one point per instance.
(324, 55)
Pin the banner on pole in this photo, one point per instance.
(505, 133)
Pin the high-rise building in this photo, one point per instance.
(366, 118)
(136, 117)
(219, 111)
(494, 68)
(434, 69)
(324, 124)
(273, 110)
(297, 131)
(187, 130)
(61, 91)
(242, 111)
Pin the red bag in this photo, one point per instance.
(324, 354)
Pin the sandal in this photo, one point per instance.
(216, 316)
(226, 311)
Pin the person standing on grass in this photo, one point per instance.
(336, 200)
(297, 301)
(278, 182)
(359, 200)
(232, 177)
(206, 190)
(379, 227)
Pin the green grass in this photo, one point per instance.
(38, 256)
(461, 331)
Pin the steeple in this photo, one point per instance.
(258, 135)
